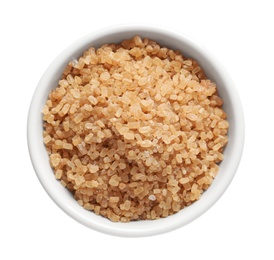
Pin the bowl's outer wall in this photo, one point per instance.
(232, 153)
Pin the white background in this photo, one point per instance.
(240, 33)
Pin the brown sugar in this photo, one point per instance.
(135, 130)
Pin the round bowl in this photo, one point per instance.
(232, 153)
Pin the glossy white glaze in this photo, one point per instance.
(232, 153)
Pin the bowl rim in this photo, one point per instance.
(132, 229)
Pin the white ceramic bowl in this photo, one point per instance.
(232, 154)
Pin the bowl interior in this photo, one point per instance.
(64, 199)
